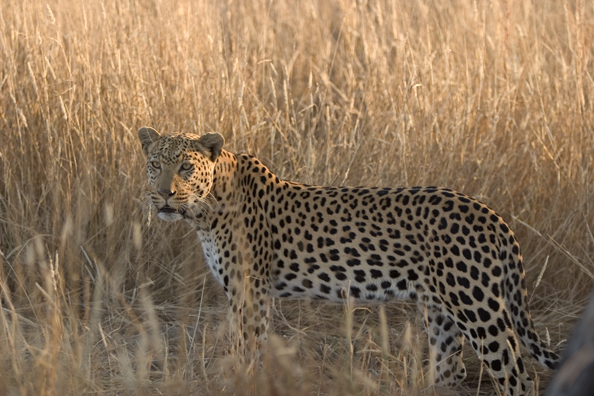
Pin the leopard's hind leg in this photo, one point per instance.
(445, 346)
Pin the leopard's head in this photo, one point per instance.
(179, 168)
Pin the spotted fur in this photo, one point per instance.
(265, 237)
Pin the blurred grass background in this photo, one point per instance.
(492, 98)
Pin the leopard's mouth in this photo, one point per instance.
(168, 213)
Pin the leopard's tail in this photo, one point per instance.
(516, 295)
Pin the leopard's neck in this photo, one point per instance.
(242, 178)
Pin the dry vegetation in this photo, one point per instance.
(492, 98)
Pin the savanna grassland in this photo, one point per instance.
(98, 296)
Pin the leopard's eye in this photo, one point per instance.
(186, 166)
(155, 164)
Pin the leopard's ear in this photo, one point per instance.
(147, 136)
(213, 143)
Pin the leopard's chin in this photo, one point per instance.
(168, 213)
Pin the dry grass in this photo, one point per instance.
(493, 98)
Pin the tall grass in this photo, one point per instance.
(493, 98)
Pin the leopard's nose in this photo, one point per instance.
(166, 193)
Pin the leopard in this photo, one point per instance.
(264, 237)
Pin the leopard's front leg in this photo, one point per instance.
(245, 256)
(249, 310)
